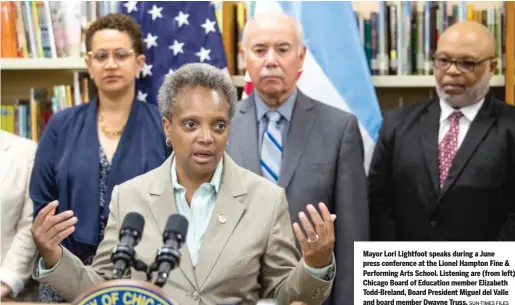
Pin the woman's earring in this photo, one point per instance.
(168, 142)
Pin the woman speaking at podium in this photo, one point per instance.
(86, 150)
(240, 241)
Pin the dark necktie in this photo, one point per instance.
(449, 147)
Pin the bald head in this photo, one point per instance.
(273, 19)
(464, 61)
(470, 35)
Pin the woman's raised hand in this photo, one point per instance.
(48, 230)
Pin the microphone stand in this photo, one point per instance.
(166, 254)
(139, 265)
(169, 254)
(153, 268)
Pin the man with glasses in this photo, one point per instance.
(444, 170)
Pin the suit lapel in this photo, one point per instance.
(429, 141)
(475, 135)
(300, 127)
(164, 206)
(248, 141)
(226, 215)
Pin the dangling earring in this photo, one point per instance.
(168, 142)
(91, 76)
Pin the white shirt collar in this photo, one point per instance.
(215, 180)
(469, 112)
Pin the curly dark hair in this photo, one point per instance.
(120, 22)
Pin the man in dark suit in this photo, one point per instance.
(444, 170)
(315, 152)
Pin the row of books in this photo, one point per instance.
(28, 117)
(48, 29)
(398, 40)
(401, 38)
(51, 29)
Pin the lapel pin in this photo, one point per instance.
(222, 218)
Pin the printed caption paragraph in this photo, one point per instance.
(434, 273)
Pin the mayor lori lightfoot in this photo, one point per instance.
(240, 241)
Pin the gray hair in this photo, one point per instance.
(191, 76)
(298, 29)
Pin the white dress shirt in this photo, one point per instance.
(469, 113)
(199, 213)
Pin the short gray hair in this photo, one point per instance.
(195, 75)
(298, 29)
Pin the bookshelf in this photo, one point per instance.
(77, 64)
(19, 74)
(63, 63)
(416, 87)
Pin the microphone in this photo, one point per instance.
(130, 235)
(168, 257)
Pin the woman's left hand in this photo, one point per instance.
(317, 247)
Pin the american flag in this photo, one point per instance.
(174, 33)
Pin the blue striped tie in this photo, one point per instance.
(272, 149)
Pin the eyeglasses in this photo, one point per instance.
(102, 56)
(462, 65)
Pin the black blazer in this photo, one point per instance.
(477, 202)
